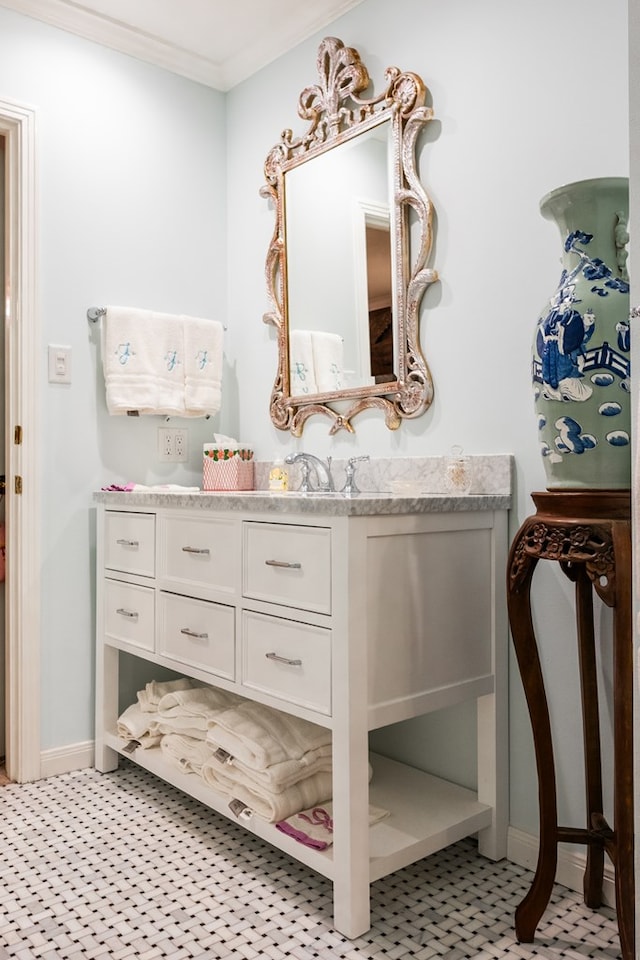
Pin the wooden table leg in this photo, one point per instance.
(530, 910)
(594, 872)
(623, 742)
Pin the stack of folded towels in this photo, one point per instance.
(275, 764)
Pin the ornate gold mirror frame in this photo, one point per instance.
(337, 114)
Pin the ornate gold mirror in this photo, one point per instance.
(348, 261)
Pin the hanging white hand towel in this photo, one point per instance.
(203, 355)
(142, 359)
(328, 362)
(302, 377)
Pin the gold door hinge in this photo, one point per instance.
(17, 435)
(17, 485)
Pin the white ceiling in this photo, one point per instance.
(216, 42)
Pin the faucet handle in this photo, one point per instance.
(305, 484)
(350, 487)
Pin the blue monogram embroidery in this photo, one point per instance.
(301, 374)
(172, 359)
(124, 353)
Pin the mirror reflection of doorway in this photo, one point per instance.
(379, 293)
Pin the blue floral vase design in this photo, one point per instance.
(581, 348)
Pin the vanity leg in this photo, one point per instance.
(351, 829)
(492, 714)
(350, 739)
(351, 915)
(106, 759)
(492, 777)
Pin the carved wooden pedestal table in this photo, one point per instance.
(589, 534)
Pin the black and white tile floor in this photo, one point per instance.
(121, 866)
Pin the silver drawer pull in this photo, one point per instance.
(192, 633)
(131, 614)
(128, 543)
(204, 550)
(291, 663)
(284, 563)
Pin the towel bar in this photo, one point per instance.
(94, 314)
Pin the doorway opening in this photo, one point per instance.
(22, 584)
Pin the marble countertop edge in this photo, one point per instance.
(264, 501)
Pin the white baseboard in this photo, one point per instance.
(522, 848)
(76, 756)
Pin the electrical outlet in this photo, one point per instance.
(172, 444)
(181, 445)
(166, 445)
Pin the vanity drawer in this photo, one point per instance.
(198, 633)
(200, 551)
(130, 542)
(287, 659)
(288, 564)
(129, 613)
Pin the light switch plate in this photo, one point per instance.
(59, 363)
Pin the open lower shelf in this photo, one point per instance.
(426, 813)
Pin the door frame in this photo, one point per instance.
(22, 341)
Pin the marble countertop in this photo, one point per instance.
(337, 505)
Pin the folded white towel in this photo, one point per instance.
(278, 776)
(301, 367)
(192, 709)
(259, 736)
(180, 725)
(314, 827)
(328, 362)
(267, 804)
(133, 724)
(185, 753)
(203, 354)
(143, 363)
(150, 697)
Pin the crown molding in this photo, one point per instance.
(117, 35)
(144, 45)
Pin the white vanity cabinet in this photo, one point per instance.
(335, 611)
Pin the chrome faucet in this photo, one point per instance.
(350, 489)
(321, 469)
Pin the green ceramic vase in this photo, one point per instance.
(581, 349)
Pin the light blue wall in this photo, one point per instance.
(526, 97)
(132, 210)
(133, 166)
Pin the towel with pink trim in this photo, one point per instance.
(314, 827)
